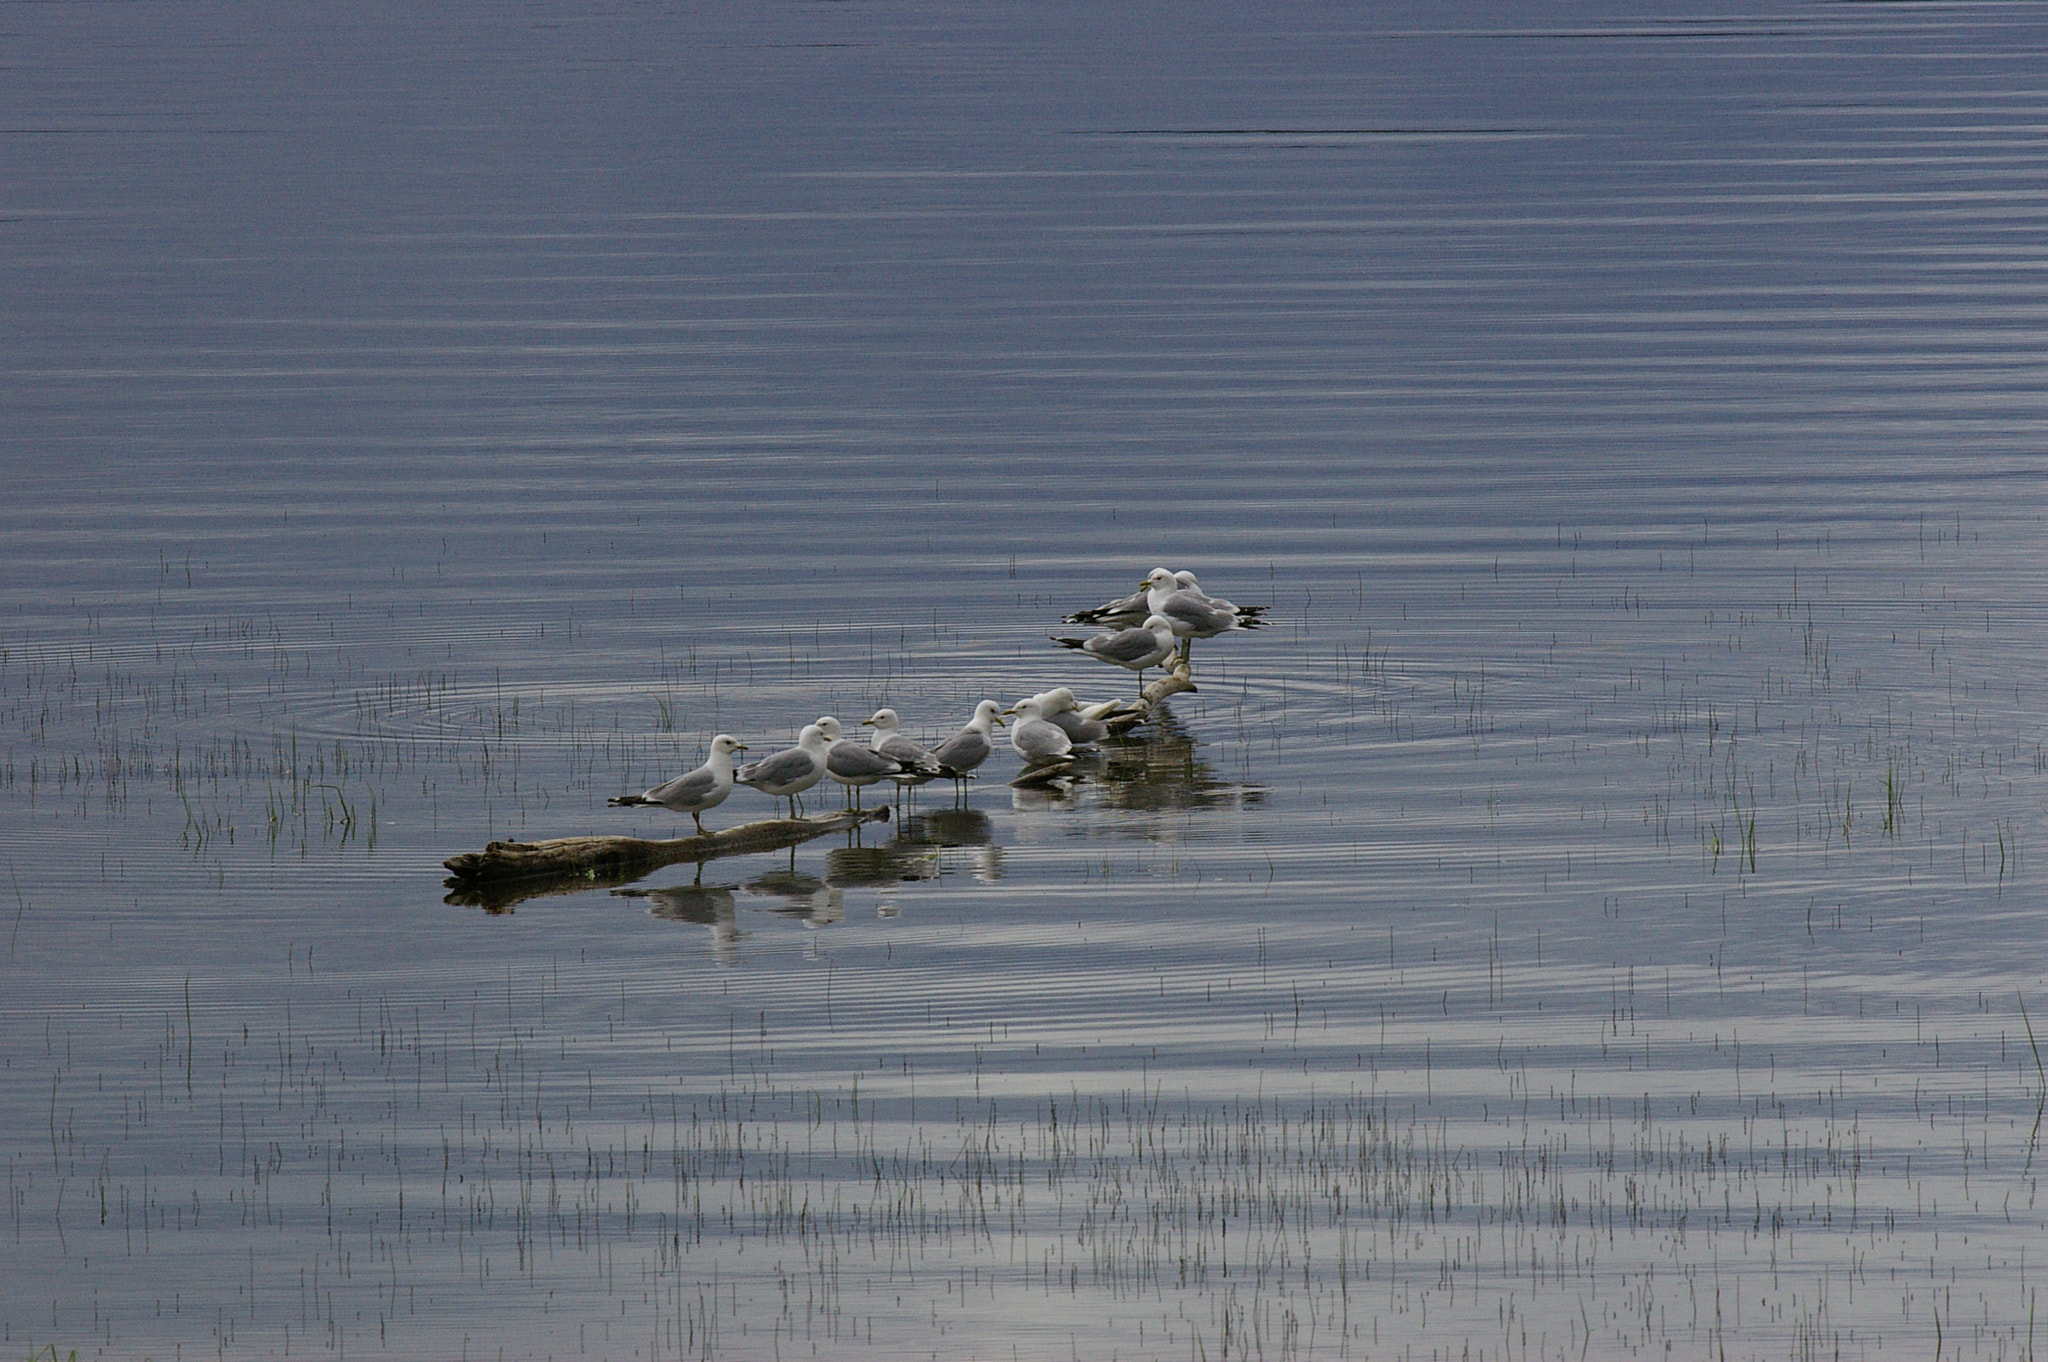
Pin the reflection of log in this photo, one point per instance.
(616, 858)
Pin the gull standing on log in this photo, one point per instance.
(1250, 616)
(789, 772)
(1190, 614)
(1131, 610)
(853, 765)
(1135, 649)
(695, 791)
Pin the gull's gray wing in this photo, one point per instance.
(909, 753)
(691, 788)
(1078, 728)
(789, 765)
(1197, 615)
(1040, 740)
(850, 760)
(1124, 647)
(963, 751)
(1130, 610)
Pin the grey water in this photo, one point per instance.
(1600, 915)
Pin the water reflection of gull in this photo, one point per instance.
(1062, 795)
(1164, 770)
(946, 828)
(805, 897)
(954, 829)
(708, 905)
(879, 867)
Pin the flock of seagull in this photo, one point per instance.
(1158, 622)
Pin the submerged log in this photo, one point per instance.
(614, 860)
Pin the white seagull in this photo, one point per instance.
(695, 791)
(853, 765)
(1059, 708)
(1135, 649)
(789, 772)
(918, 762)
(1190, 614)
(1035, 738)
(969, 748)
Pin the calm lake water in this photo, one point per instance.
(1600, 917)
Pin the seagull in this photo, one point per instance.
(698, 790)
(919, 764)
(791, 771)
(1065, 713)
(1190, 614)
(1036, 738)
(1248, 615)
(1117, 614)
(852, 765)
(1136, 649)
(970, 747)
(1132, 610)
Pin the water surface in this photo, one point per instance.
(1599, 915)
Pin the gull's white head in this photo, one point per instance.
(884, 719)
(1159, 579)
(812, 739)
(829, 726)
(986, 713)
(725, 744)
(1058, 700)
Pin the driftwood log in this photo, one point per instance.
(1175, 682)
(506, 872)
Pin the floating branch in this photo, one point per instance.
(517, 868)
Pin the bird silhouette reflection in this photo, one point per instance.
(804, 897)
(1163, 769)
(946, 828)
(707, 905)
(878, 867)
